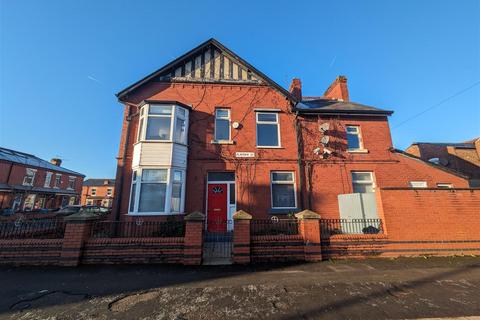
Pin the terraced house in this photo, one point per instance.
(209, 132)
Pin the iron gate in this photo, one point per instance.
(218, 242)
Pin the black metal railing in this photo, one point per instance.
(33, 229)
(331, 227)
(138, 229)
(272, 227)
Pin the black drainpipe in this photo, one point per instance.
(301, 168)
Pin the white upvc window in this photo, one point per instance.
(268, 130)
(283, 190)
(444, 185)
(418, 184)
(29, 177)
(109, 192)
(48, 179)
(58, 181)
(94, 191)
(222, 124)
(71, 182)
(157, 191)
(165, 123)
(362, 182)
(354, 138)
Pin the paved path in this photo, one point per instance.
(372, 289)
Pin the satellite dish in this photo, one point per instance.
(325, 140)
(324, 126)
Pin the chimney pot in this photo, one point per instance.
(56, 162)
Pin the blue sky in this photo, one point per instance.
(62, 61)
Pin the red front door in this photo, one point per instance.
(217, 207)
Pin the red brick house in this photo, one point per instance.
(463, 157)
(98, 192)
(209, 132)
(29, 183)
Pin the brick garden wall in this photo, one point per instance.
(277, 248)
(417, 222)
(31, 251)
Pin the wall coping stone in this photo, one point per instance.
(81, 217)
(307, 214)
(195, 216)
(241, 215)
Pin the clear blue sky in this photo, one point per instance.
(62, 61)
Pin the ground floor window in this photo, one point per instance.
(283, 190)
(157, 191)
(29, 202)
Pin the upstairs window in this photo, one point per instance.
(159, 123)
(94, 191)
(58, 181)
(48, 179)
(268, 130)
(71, 182)
(109, 191)
(163, 123)
(362, 182)
(444, 185)
(283, 190)
(354, 138)
(29, 177)
(222, 125)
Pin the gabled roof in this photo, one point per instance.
(99, 182)
(176, 70)
(32, 161)
(316, 105)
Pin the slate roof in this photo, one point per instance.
(316, 105)
(464, 145)
(98, 182)
(32, 161)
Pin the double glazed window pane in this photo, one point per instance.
(270, 117)
(283, 196)
(164, 110)
(362, 182)
(152, 197)
(158, 128)
(353, 138)
(361, 176)
(362, 188)
(267, 135)
(132, 197)
(222, 124)
(154, 175)
(282, 176)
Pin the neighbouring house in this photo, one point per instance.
(29, 183)
(462, 157)
(98, 192)
(209, 132)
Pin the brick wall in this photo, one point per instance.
(31, 251)
(277, 248)
(417, 222)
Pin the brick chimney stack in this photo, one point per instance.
(338, 90)
(56, 162)
(296, 89)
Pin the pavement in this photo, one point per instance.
(406, 288)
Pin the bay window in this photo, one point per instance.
(157, 191)
(283, 190)
(162, 123)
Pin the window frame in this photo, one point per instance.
(48, 179)
(361, 147)
(444, 185)
(70, 180)
(58, 178)
(412, 184)
(272, 182)
(144, 115)
(109, 192)
(229, 119)
(277, 123)
(372, 181)
(93, 191)
(134, 210)
(29, 174)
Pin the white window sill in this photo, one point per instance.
(273, 147)
(222, 142)
(357, 151)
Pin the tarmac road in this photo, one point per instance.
(407, 288)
